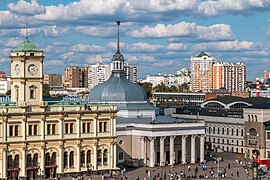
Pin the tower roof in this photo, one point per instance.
(26, 45)
(202, 54)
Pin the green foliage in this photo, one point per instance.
(163, 88)
(46, 90)
(8, 93)
(147, 88)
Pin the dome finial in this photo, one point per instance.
(118, 41)
(26, 31)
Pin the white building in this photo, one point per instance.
(131, 72)
(4, 85)
(167, 79)
(98, 73)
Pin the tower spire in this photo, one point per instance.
(26, 31)
(118, 38)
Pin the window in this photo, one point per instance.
(88, 128)
(232, 132)
(100, 126)
(268, 135)
(242, 132)
(105, 127)
(35, 160)
(227, 131)
(29, 160)
(71, 159)
(32, 54)
(222, 130)
(32, 94)
(222, 141)
(83, 127)
(65, 160)
(16, 130)
(53, 128)
(209, 129)
(214, 129)
(83, 158)
(48, 129)
(121, 156)
(47, 159)
(66, 128)
(35, 129)
(228, 142)
(218, 130)
(16, 161)
(237, 133)
(10, 162)
(99, 155)
(71, 128)
(53, 159)
(88, 158)
(105, 157)
(10, 130)
(30, 130)
(268, 154)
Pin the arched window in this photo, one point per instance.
(105, 157)
(256, 120)
(35, 160)
(214, 129)
(227, 131)
(222, 130)
(242, 132)
(218, 130)
(71, 159)
(83, 158)
(253, 132)
(249, 118)
(99, 156)
(65, 160)
(252, 118)
(10, 163)
(232, 132)
(237, 132)
(17, 161)
(88, 156)
(53, 159)
(29, 160)
(47, 159)
(209, 130)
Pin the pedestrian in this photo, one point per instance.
(237, 173)
(231, 173)
(229, 166)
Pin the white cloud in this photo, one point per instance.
(26, 8)
(144, 47)
(176, 47)
(13, 42)
(97, 31)
(214, 8)
(164, 63)
(225, 46)
(185, 29)
(100, 58)
(87, 48)
(139, 59)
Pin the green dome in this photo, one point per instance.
(26, 45)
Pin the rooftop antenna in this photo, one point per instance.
(118, 46)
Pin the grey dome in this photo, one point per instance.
(117, 89)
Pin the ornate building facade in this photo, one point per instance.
(50, 140)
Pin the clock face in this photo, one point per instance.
(32, 69)
(17, 69)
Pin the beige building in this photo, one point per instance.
(76, 77)
(50, 140)
(202, 72)
(53, 79)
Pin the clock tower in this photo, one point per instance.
(26, 74)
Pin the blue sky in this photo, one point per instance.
(159, 36)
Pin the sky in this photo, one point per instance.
(159, 36)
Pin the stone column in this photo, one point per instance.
(42, 161)
(61, 127)
(24, 128)
(79, 127)
(42, 129)
(5, 130)
(192, 157)
(61, 159)
(23, 175)
(162, 160)
(95, 157)
(78, 169)
(4, 159)
(114, 155)
(184, 149)
(142, 149)
(202, 148)
(172, 153)
(152, 152)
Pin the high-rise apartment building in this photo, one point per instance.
(76, 77)
(98, 73)
(131, 72)
(53, 79)
(229, 76)
(202, 72)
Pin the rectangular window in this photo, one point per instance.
(121, 156)
(32, 93)
(48, 129)
(53, 128)
(100, 126)
(10, 130)
(35, 130)
(16, 130)
(268, 135)
(71, 128)
(66, 128)
(30, 130)
(105, 127)
(88, 127)
(83, 127)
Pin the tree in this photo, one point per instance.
(8, 93)
(147, 88)
(46, 90)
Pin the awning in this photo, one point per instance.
(13, 170)
(51, 167)
(32, 169)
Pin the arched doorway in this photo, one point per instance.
(50, 165)
(32, 166)
(13, 167)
